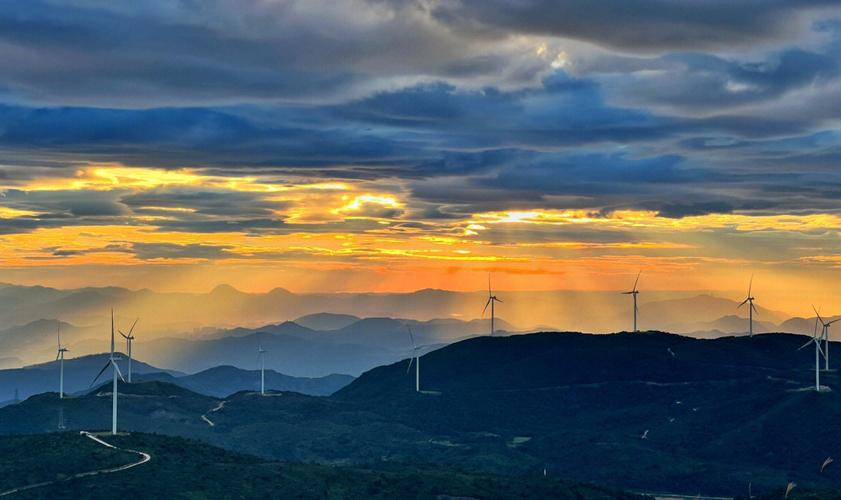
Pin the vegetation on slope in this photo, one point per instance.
(183, 468)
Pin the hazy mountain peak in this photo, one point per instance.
(327, 321)
(224, 289)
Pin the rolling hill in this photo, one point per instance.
(217, 381)
(326, 321)
(181, 468)
(300, 351)
(78, 375)
(223, 381)
(644, 412)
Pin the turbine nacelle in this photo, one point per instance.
(129, 336)
(633, 293)
(61, 349)
(816, 339)
(110, 362)
(826, 324)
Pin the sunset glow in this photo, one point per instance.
(549, 159)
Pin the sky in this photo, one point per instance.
(392, 145)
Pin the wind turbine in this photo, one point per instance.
(634, 292)
(414, 358)
(115, 371)
(129, 338)
(491, 299)
(817, 341)
(751, 308)
(60, 357)
(261, 353)
(825, 337)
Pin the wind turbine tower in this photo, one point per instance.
(115, 371)
(633, 293)
(414, 358)
(817, 341)
(261, 352)
(491, 299)
(60, 358)
(751, 308)
(825, 337)
(129, 338)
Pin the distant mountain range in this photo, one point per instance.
(44, 377)
(218, 381)
(646, 412)
(222, 381)
(167, 314)
(293, 349)
(186, 332)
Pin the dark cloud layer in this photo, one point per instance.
(682, 107)
(647, 25)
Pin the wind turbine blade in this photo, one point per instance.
(833, 321)
(498, 300)
(112, 333)
(116, 367)
(489, 284)
(123, 334)
(131, 330)
(637, 280)
(411, 335)
(818, 313)
(791, 485)
(408, 368)
(58, 354)
(806, 344)
(486, 307)
(750, 285)
(100, 373)
(58, 334)
(743, 303)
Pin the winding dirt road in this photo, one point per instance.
(207, 419)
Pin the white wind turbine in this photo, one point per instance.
(414, 358)
(825, 337)
(634, 292)
(129, 338)
(817, 341)
(751, 308)
(60, 358)
(491, 300)
(261, 353)
(115, 371)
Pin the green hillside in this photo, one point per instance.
(181, 468)
(647, 412)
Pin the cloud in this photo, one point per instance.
(704, 83)
(58, 204)
(202, 202)
(147, 251)
(417, 117)
(643, 26)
